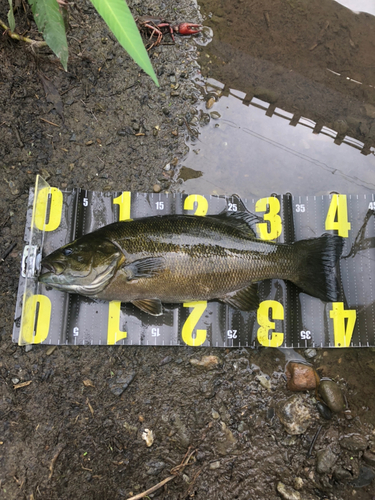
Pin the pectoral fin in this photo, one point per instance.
(245, 299)
(144, 268)
(149, 306)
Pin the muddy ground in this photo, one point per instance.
(72, 433)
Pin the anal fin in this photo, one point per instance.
(245, 299)
(149, 306)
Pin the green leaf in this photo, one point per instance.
(11, 21)
(119, 19)
(50, 23)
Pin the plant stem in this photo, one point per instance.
(21, 38)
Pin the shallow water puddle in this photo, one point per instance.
(293, 101)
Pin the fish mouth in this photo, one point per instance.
(56, 268)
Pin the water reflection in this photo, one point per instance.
(297, 103)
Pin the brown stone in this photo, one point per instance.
(300, 377)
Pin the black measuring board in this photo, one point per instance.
(286, 317)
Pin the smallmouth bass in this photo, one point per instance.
(181, 258)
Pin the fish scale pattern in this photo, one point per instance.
(202, 258)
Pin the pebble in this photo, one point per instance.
(300, 377)
(264, 381)
(354, 442)
(323, 410)
(166, 360)
(310, 353)
(294, 415)
(366, 476)
(215, 465)
(215, 414)
(332, 395)
(156, 188)
(15, 380)
(207, 362)
(298, 483)
(73, 138)
(148, 436)
(118, 385)
(211, 101)
(166, 111)
(215, 115)
(153, 467)
(369, 457)
(341, 474)
(325, 460)
(287, 492)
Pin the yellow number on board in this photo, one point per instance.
(200, 201)
(55, 209)
(124, 203)
(267, 324)
(187, 330)
(337, 216)
(35, 330)
(272, 215)
(342, 330)
(114, 334)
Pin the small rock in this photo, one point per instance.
(207, 362)
(366, 476)
(300, 377)
(298, 483)
(294, 415)
(166, 360)
(287, 492)
(310, 353)
(166, 111)
(154, 467)
(354, 442)
(214, 465)
(215, 414)
(156, 188)
(15, 380)
(73, 138)
(325, 460)
(264, 381)
(341, 474)
(167, 167)
(136, 126)
(118, 385)
(332, 395)
(148, 436)
(369, 457)
(323, 410)
(211, 101)
(215, 115)
(340, 126)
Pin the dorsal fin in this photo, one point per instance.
(244, 221)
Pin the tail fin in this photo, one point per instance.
(317, 266)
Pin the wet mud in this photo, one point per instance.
(72, 418)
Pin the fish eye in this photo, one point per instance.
(67, 251)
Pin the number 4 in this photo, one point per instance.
(337, 216)
(342, 330)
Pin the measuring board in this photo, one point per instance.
(286, 317)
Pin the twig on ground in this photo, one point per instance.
(15, 36)
(55, 457)
(175, 472)
(7, 252)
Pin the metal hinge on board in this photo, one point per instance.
(31, 259)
